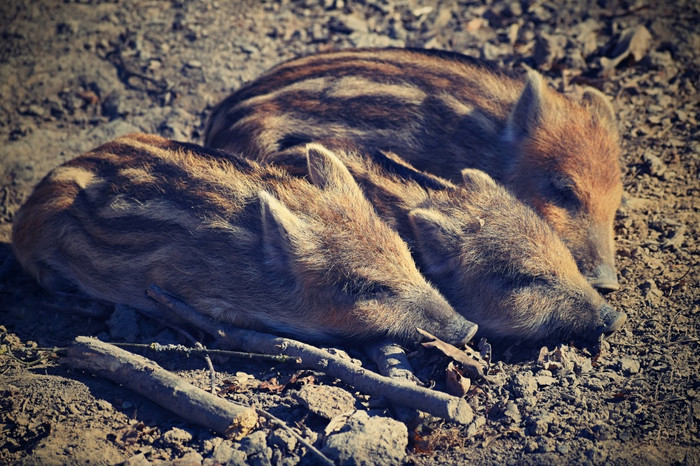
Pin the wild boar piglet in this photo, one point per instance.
(443, 112)
(243, 243)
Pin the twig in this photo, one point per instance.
(162, 387)
(392, 362)
(187, 349)
(278, 422)
(400, 392)
(210, 365)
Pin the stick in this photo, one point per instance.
(400, 392)
(392, 362)
(162, 387)
(194, 350)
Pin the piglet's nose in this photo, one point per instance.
(604, 278)
(612, 320)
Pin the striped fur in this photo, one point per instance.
(444, 112)
(494, 259)
(243, 243)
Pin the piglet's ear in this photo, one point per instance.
(529, 110)
(436, 239)
(282, 231)
(477, 179)
(600, 106)
(327, 171)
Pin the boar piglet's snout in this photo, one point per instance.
(443, 321)
(612, 320)
(604, 278)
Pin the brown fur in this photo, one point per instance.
(243, 243)
(495, 260)
(444, 112)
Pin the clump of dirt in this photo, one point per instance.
(75, 74)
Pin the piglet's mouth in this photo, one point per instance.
(612, 320)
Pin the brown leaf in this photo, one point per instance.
(271, 386)
(473, 366)
(457, 384)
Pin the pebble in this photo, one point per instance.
(176, 437)
(326, 401)
(225, 453)
(368, 440)
(283, 439)
(548, 49)
(629, 365)
(538, 424)
(545, 380)
(476, 424)
(654, 165)
(524, 384)
(512, 412)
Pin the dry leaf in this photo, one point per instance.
(457, 384)
(271, 386)
(473, 366)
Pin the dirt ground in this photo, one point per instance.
(76, 73)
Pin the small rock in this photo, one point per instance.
(283, 439)
(137, 460)
(35, 110)
(524, 384)
(476, 424)
(256, 449)
(650, 289)
(326, 401)
(191, 458)
(512, 412)
(347, 24)
(539, 423)
(548, 49)
(225, 453)
(563, 448)
(629, 365)
(368, 440)
(654, 165)
(531, 446)
(176, 437)
(595, 384)
(545, 380)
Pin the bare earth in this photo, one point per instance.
(74, 74)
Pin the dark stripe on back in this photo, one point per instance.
(407, 173)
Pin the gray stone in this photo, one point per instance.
(367, 440)
(512, 412)
(545, 380)
(256, 449)
(629, 365)
(538, 424)
(477, 423)
(225, 453)
(548, 49)
(283, 439)
(326, 401)
(176, 437)
(654, 165)
(524, 384)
